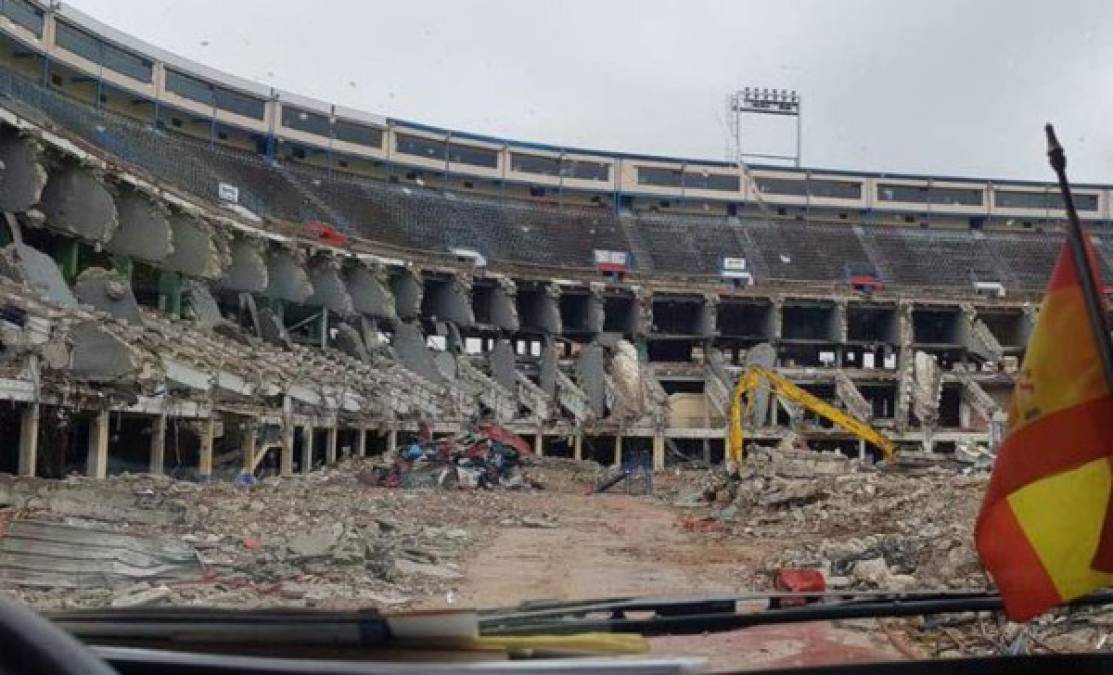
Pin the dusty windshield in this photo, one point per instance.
(458, 305)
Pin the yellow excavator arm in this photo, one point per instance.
(743, 398)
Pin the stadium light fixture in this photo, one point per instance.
(763, 101)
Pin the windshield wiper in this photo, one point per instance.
(710, 614)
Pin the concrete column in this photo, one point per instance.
(286, 458)
(28, 439)
(247, 447)
(360, 449)
(578, 447)
(158, 445)
(658, 451)
(539, 444)
(392, 441)
(97, 463)
(617, 450)
(307, 448)
(330, 445)
(861, 450)
(205, 460)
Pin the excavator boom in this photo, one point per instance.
(742, 400)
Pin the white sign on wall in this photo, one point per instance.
(603, 257)
(734, 264)
(228, 193)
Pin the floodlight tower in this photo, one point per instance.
(761, 101)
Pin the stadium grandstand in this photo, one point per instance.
(285, 280)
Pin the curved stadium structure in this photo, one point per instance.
(282, 280)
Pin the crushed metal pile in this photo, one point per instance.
(483, 457)
(325, 539)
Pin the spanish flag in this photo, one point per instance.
(1042, 529)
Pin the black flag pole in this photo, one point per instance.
(1090, 293)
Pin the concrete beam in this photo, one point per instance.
(247, 269)
(76, 202)
(28, 439)
(144, 230)
(370, 292)
(205, 458)
(23, 178)
(96, 465)
(158, 444)
(329, 289)
(199, 251)
(306, 448)
(330, 445)
(110, 292)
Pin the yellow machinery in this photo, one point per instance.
(743, 398)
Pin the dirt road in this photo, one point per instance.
(614, 545)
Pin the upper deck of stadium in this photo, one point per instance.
(74, 53)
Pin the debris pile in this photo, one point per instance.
(899, 526)
(484, 457)
(323, 539)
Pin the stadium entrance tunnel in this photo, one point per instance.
(681, 315)
(936, 326)
(872, 324)
(810, 322)
(746, 319)
(1011, 329)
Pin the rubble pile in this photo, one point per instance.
(899, 526)
(484, 457)
(323, 539)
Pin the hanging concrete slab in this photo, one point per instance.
(108, 291)
(407, 288)
(38, 272)
(198, 250)
(329, 289)
(144, 230)
(100, 356)
(501, 362)
(287, 278)
(202, 304)
(247, 271)
(370, 292)
(23, 178)
(76, 202)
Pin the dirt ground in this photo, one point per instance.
(618, 545)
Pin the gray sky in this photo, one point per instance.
(946, 87)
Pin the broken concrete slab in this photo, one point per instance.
(547, 369)
(23, 177)
(198, 251)
(348, 340)
(409, 344)
(503, 308)
(407, 288)
(202, 304)
(144, 231)
(317, 542)
(38, 272)
(247, 271)
(446, 365)
(501, 362)
(98, 355)
(591, 370)
(329, 289)
(449, 301)
(370, 292)
(287, 278)
(271, 328)
(76, 202)
(108, 291)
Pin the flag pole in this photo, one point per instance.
(1090, 293)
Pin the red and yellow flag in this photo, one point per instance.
(1044, 514)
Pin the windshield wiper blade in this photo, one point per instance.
(687, 616)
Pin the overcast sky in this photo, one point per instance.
(944, 87)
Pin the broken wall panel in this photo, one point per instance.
(621, 314)
(144, 227)
(247, 266)
(287, 278)
(539, 309)
(76, 202)
(939, 326)
(873, 324)
(198, 249)
(23, 177)
(681, 315)
(370, 292)
(329, 289)
(38, 272)
(745, 319)
(818, 322)
(110, 292)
